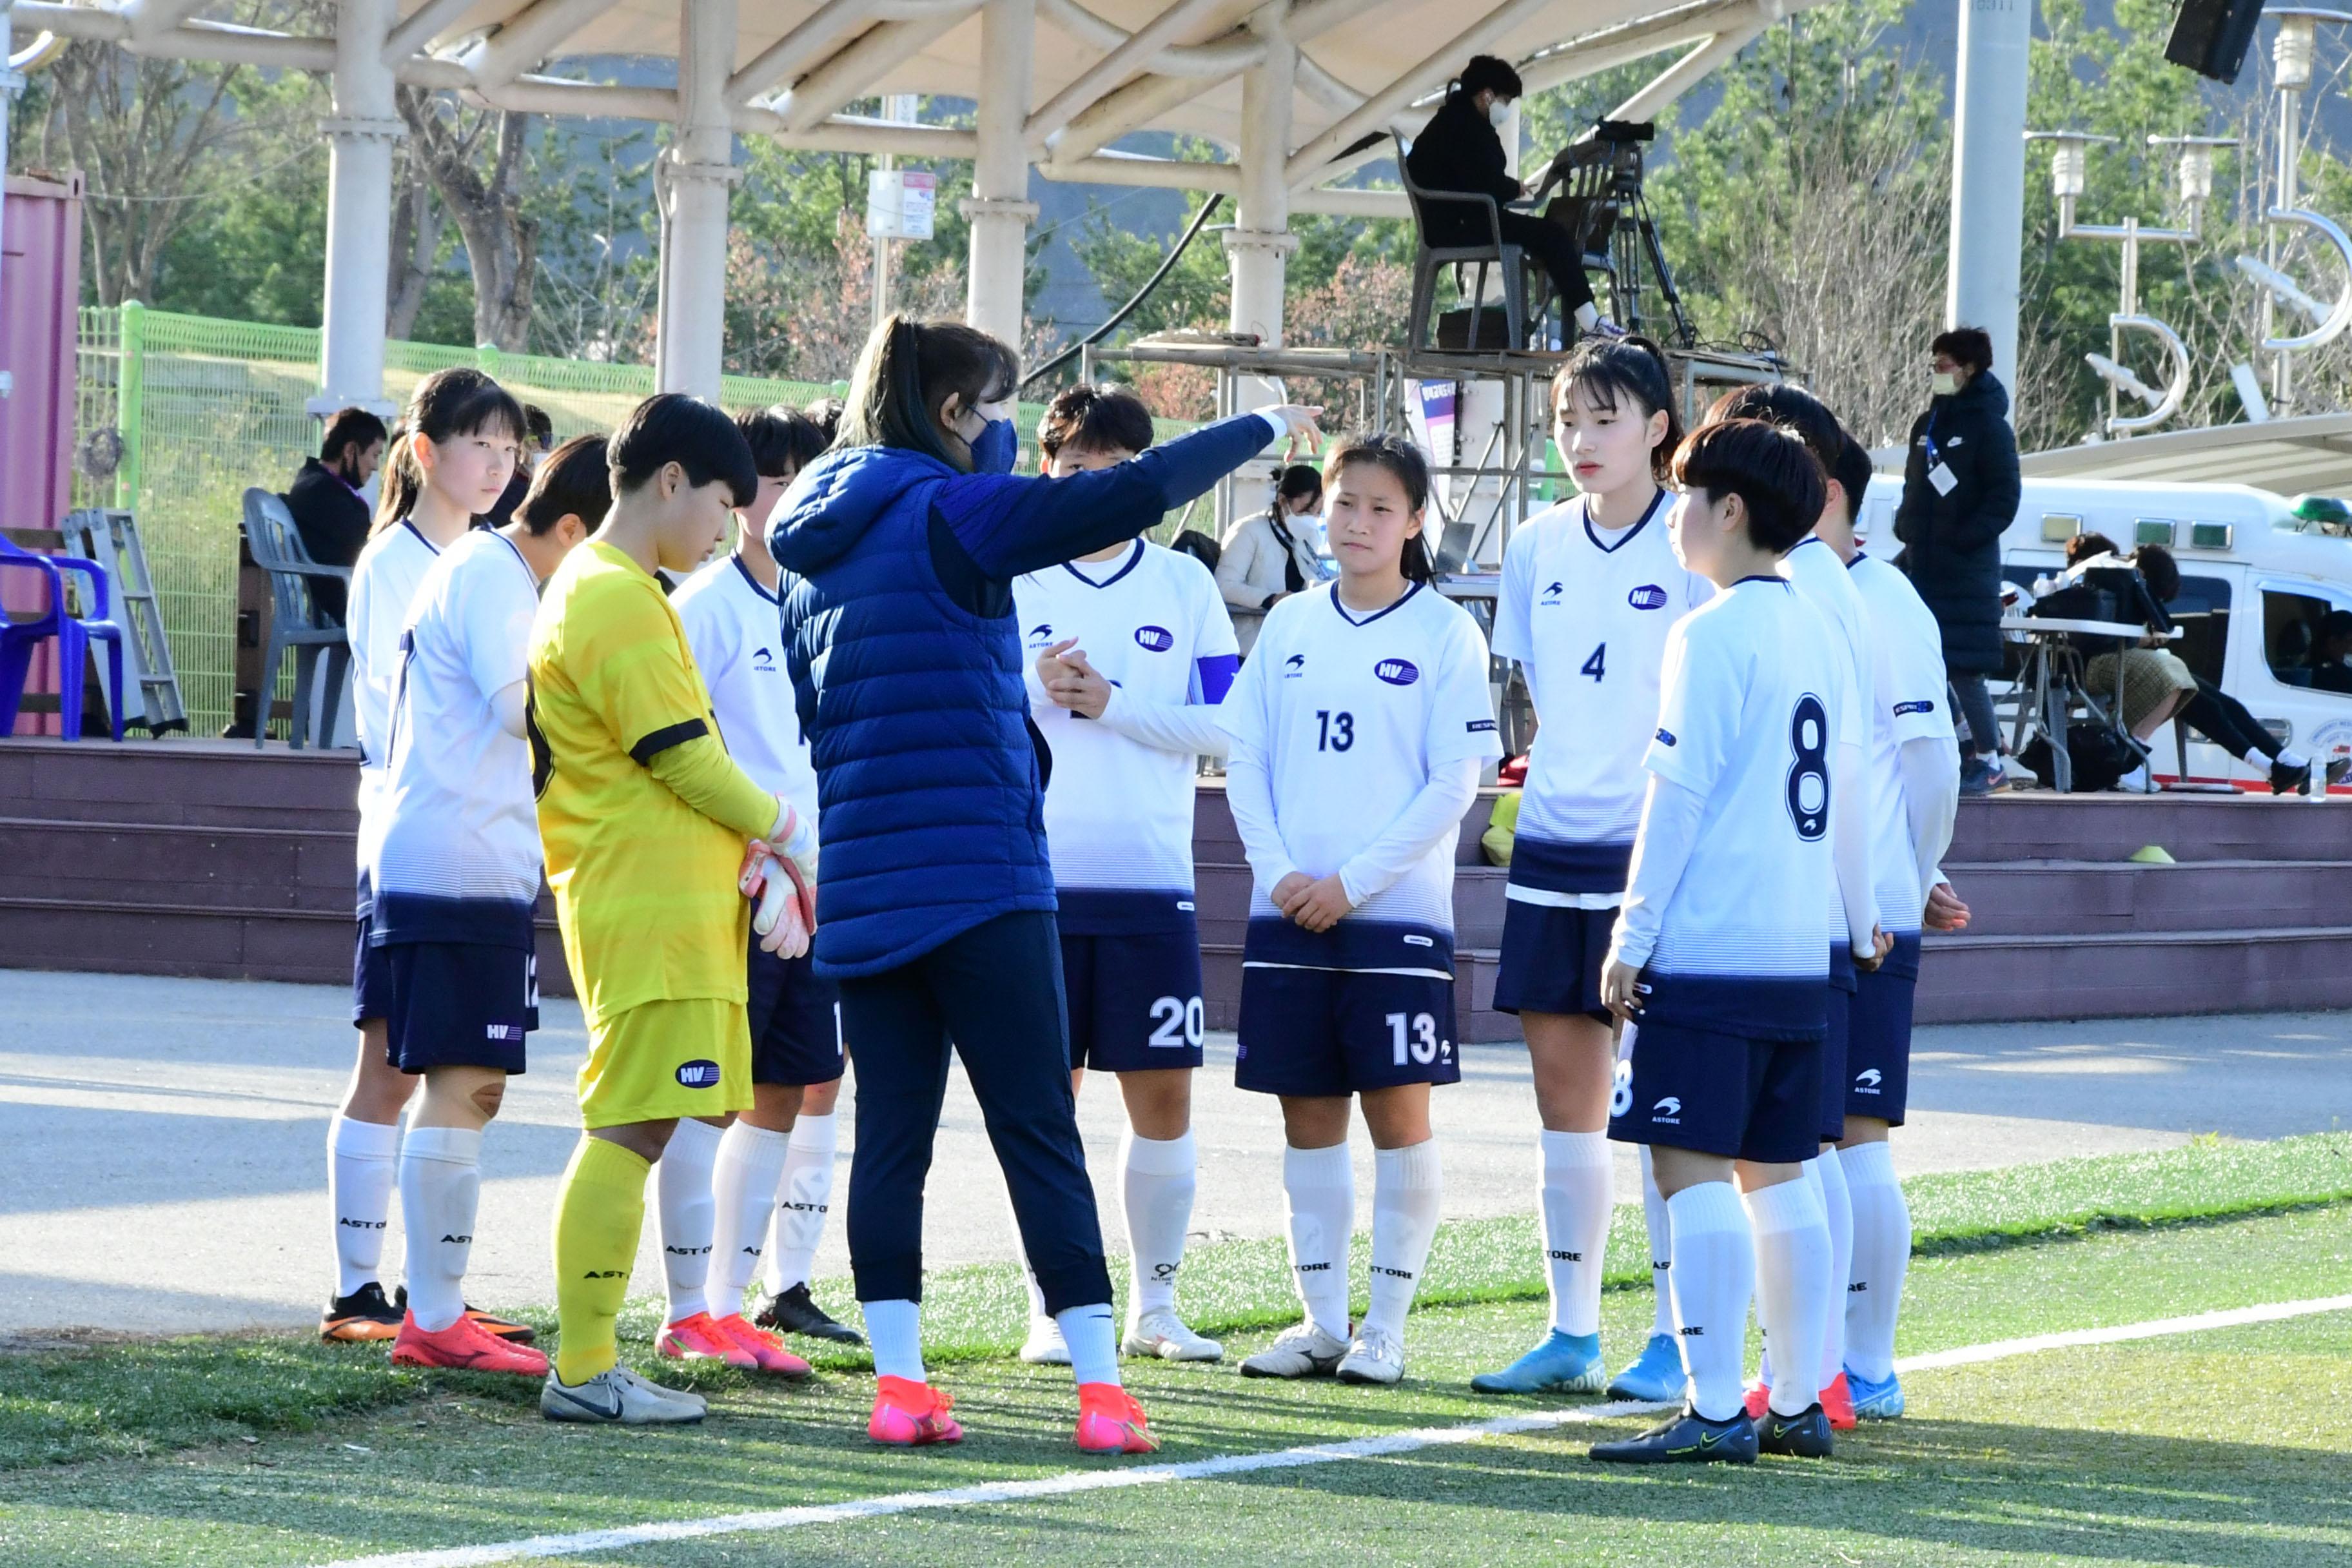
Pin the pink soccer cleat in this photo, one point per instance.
(764, 1347)
(1111, 1422)
(911, 1415)
(699, 1337)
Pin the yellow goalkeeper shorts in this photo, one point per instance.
(663, 1059)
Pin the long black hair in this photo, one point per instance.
(905, 374)
(1608, 370)
(1403, 461)
(459, 401)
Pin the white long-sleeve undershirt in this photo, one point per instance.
(1434, 812)
(1930, 766)
(1662, 849)
(1850, 848)
(1190, 728)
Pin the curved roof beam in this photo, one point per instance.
(1138, 50)
(527, 37)
(422, 25)
(852, 71)
(1218, 57)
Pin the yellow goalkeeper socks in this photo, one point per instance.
(598, 1217)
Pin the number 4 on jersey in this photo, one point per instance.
(1597, 666)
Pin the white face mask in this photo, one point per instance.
(1945, 383)
(1498, 114)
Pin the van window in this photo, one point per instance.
(2202, 611)
(2291, 633)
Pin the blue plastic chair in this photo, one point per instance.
(73, 634)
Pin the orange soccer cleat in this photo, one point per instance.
(911, 1415)
(699, 1337)
(1111, 1422)
(464, 1346)
(1837, 1403)
(763, 1347)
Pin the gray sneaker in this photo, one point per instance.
(618, 1397)
(1375, 1357)
(1305, 1351)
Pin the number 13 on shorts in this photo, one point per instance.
(1416, 1035)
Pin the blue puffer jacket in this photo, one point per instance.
(906, 662)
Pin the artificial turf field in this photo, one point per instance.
(2226, 1445)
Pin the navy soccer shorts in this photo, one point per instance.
(795, 1016)
(1312, 1033)
(459, 1004)
(1134, 1001)
(1552, 958)
(1719, 1094)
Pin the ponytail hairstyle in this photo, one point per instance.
(573, 481)
(460, 400)
(1403, 461)
(1297, 480)
(1768, 467)
(1613, 372)
(905, 374)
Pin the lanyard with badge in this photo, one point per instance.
(1940, 473)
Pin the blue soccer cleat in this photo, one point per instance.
(1875, 1401)
(1657, 1375)
(1686, 1438)
(1562, 1363)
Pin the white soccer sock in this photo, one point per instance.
(1578, 1203)
(895, 1330)
(1837, 1208)
(1092, 1334)
(744, 1181)
(440, 1189)
(800, 1207)
(2288, 757)
(1408, 1190)
(1662, 1249)
(1882, 1255)
(362, 1159)
(1714, 1275)
(1156, 1179)
(1586, 316)
(1792, 1278)
(1318, 1190)
(682, 1188)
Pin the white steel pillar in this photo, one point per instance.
(998, 206)
(694, 174)
(1980, 285)
(360, 135)
(1260, 241)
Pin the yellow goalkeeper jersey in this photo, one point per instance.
(642, 814)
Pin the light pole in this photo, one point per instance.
(2291, 62)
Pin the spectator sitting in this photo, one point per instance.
(539, 432)
(2331, 662)
(1273, 553)
(2221, 718)
(2156, 684)
(324, 499)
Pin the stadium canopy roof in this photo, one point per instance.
(1284, 88)
(2311, 454)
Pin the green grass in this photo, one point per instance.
(2222, 1447)
(146, 1398)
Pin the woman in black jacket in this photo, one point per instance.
(1459, 150)
(1959, 494)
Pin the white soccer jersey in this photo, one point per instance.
(1585, 611)
(457, 859)
(1349, 715)
(1752, 679)
(1118, 814)
(1908, 703)
(1821, 578)
(733, 624)
(383, 586)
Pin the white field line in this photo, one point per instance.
(1073, 1481)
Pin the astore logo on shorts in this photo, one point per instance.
(1866, 1081)
(1667, 1112)
(699, 1074)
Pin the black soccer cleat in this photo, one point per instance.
(1688, 1438)
(2286, 780)
(364, 1314)
(1800, 1437)
(794, 1312)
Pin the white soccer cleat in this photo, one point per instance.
(1305, 1351)
(618, 1397)
(1045, 1346)
(1160, 1333)
(1374, 1358)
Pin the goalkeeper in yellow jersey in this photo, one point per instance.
(645, 821)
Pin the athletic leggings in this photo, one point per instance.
(2224, 720)
(995, 995)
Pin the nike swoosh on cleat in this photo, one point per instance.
(609, 1413)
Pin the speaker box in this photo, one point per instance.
(2210, 36)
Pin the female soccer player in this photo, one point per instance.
(1134, 652)
(459, 435)
(457, 873)
(1360, 728)
(936, 896)
(1718, 961)
(719, 1180)
(1590, 588)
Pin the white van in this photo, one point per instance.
(2255, 581)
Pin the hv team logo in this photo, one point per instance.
(701, 1074)
(1648, 597)
(1154, 639)
(1397, 671)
